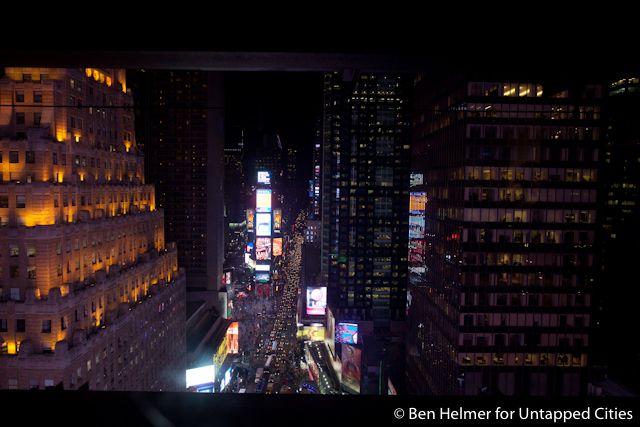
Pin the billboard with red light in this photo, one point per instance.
(351, 358)
(316, 301)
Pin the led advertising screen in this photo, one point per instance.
(249, 261)
(347, 333)
(351, 357)
(263, 267)
(277, 219)
(416, 179)
(202, 375)
(416, 251)
(416, 227)
(232, 338)
(263, 224)
(330, 333)
(264, 177)
(313, 333)
(263, 200)
(249, 247)
(262, 277)
(250, 218)
(277, 246)
(417, 202)
(263, 248)
(316, 301)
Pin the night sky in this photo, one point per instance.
(285, 103)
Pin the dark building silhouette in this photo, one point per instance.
(620, 216)
(179, 118)
(511, 173)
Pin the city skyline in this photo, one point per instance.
(512, 179)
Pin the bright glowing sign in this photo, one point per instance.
(250, 218)
(316, 301)
(249, 247)
(263, 267)
(263, 248)
(232, 338)
(347, 333)
(263, 224)
(417, 202)
(416, 179)
(277, 219)
(264, 177)
(416, 227)
(263, 200)
(262, 277)
(202, 375)
(351, 357)
(249, 261)
(277, 246)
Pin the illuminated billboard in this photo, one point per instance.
(262, 277)
(347, 333)
(200, 376)
(263, 200)
(277, 246)
(277, 219)
(264, 177)
(313, 333)
(416, 227)
(416, 251)
(263, 224)
(351, 358)
(330, 333)
(263, 267)
(263, 248)
(232, 338)
(249, 247)
(250, 219)
(227, 278)
(249, 261)
(416, 179)
(221, 352)
(417, 202)
(316, 301)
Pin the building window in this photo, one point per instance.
(4, 201)
(37, 119)
(31, 272)
(14, 250)
(14, 273)
(19, 96)
(37, 97)
(46, 326)
(30, 156)
(21, 202)
(3, 325)
(63, 323)
(19, 118)
(31, 251)
(14, 156)
(21, 325)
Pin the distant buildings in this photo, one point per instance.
(90, 292)
(365, 186)
(511, 170)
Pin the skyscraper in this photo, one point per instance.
(365, 183)
(234, 175)
(180, 121)
(315, 183)
(620, 216)
(511, 172)
(90, 293)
